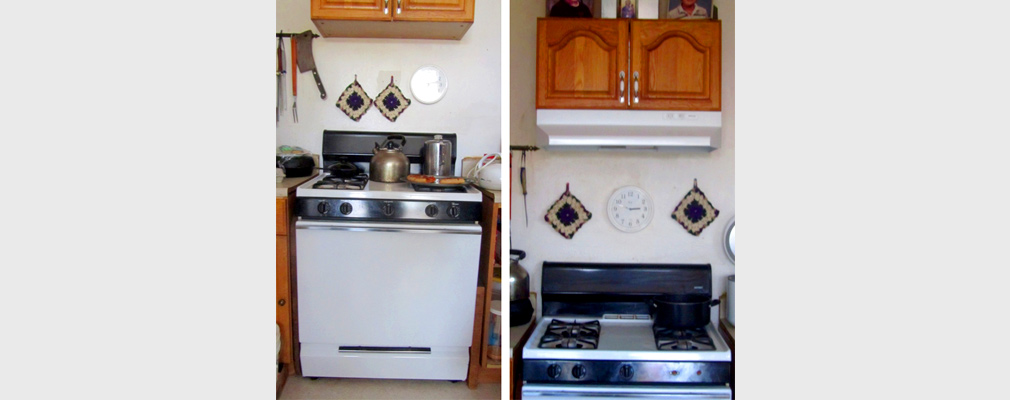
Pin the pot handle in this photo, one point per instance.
(403, 140)
(715, 302)
(520, 253)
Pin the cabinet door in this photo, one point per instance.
(433, 10)
(678, 65)
(579, 62)
(365, 10)
(284, 299)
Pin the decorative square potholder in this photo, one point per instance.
(695, 212)
(567, 214)
(391, 101)
(354, 101)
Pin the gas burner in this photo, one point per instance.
(356, 182)
(682, 339)
(571, 335)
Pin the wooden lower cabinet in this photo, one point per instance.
(483, 368)
(285, 290)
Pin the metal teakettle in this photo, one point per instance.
(520, 306)
(389, 164)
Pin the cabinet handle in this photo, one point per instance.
(636, 87)
(620, 92)
(281, 302)
(398, 4)
(385, 7)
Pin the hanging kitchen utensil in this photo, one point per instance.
(522, 181)
(281, 70)
(354, 101)
(294, 80)
(695, 212)
(305, 61)
(567, 214)
(391, 101)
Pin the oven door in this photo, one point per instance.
(386, 296)
(609, 392)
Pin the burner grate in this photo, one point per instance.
(571, 335)
(356, 182)
(682, 339)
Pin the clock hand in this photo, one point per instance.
(639, 208)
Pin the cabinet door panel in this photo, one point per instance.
(433, 10)
(579, 61)
(284, 299)
(369, 10)
(678, 64)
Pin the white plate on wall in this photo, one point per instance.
(429, 84)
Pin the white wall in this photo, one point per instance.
(594, 176)
(471, 107)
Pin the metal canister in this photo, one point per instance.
(437, 157)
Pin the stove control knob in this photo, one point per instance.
(627, 372)
(579, 371)
(387, 209)
(453, 211)
(431, 210)
(346, 208)
(323, 207)
(554, 371)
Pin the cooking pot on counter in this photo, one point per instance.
(389, 164)
(685, 311)
(296, 165)
(520, 306)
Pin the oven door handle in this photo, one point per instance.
(641, 392)
(467, 229)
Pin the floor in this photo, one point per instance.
(298, 388)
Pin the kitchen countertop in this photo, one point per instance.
(516, 332)
(288, 185)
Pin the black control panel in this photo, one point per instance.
(388, 210)
(597, 371)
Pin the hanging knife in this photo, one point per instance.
(280, 77)
(305, 60)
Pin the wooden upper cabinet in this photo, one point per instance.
(406, 19)
(365, 10)
(434, 10)
(678, 64)
(579, 62)
(675, 65)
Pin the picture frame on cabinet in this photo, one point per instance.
(627, 9)
(687, 9)
(564, 8)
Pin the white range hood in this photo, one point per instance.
(628, 130)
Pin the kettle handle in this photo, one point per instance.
(520, 253)
(389, 139)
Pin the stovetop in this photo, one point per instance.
(625, 337)
(381, 191)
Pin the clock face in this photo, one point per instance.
(630, 209)
(428, 85)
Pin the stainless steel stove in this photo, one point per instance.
(598, 340)
(386, 275)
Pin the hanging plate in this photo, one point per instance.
(428, 85)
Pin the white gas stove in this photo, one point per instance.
(387, 272)
(598, 340)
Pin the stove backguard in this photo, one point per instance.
(356, 147)
(595, 289)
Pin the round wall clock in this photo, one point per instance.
(428, 85)
(630, 209)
